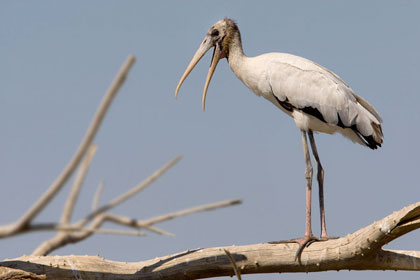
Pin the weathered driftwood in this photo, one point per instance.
(361, 250)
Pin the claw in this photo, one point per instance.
(303, 242)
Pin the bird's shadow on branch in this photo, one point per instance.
(56, 271)
(150, 268)
(222, 259)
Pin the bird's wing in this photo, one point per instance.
(359, 99)
(304, 85)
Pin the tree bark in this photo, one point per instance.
(361, 250)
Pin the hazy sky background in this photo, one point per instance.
(59, 57)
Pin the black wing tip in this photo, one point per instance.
(370, 141)
(374, 142)
(375, 146)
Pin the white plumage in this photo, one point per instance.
(316, 98)
(281, 77)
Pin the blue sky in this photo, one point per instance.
(58, 58)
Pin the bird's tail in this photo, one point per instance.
(378, 136)
(368, 126)
(374, 140)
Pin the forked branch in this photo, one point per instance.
(71, 232)
(361, 250)
(42, 202)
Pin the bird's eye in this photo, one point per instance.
(215, 32)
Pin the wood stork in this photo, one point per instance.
(315, 97)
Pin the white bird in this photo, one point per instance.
(315, 97)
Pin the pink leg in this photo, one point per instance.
(308, 238)
(320, 176)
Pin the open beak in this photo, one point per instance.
(204, 47)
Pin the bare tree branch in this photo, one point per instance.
(126, 221)
(71, 228)
(130, 222)
(361, 250)
(147, 224)
(40, 204)
(64, 237)
(77, 231)
(189, 211)
(134, 190)
(77, 185)
(114, 231)
(99, 190)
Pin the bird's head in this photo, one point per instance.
(220, 36)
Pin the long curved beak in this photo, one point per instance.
(204, 47)
(214, 61)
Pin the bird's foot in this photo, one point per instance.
(303, 243)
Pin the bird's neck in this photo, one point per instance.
(247, 69)
(236, 56)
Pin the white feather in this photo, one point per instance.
(303, 83)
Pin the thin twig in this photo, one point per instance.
(72, 228)
(135, 224)
(125, 221)
(77, 185)
(146, 224)
(235, 267)
(63, 239)
(97, 217)
(81, 150)
(185, 212)
(130, 193)
(113, 231)
(98, 193)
